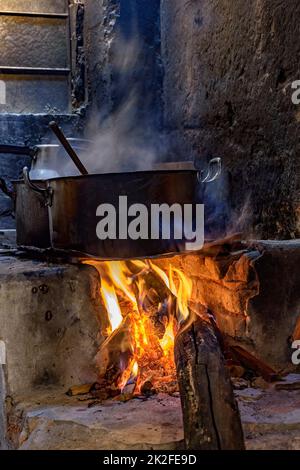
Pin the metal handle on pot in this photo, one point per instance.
(16, 150)
(47, 193)
(214, 171)
(4, 188)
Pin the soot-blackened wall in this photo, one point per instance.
(229, 66)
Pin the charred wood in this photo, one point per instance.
(249, 361)
(210, 413)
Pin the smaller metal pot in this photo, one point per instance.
(52, 161)
(47, 161)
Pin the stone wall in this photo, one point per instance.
(216, 77)
(123, 56)
(227, 92)
(253, 291)
(2, 412)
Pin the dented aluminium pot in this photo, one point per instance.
(73, 202)
(47, 161)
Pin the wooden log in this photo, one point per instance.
(257, 365)
(158, 303)
(116, 352)
(288, 386)
(210, 413)
(83, 389)
(224, 246)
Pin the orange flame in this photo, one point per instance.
(125, 294)
(112, 305)
(180, 286)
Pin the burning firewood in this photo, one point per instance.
(116, 352)
(210, 413)
(144, 304)
(154, 299)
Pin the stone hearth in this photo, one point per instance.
(50, 324)
(50, 420)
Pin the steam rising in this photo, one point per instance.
(125, 137)
(121, 143)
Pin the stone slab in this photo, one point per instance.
(271, 418)
(50, 320)
(50, 420)
(155, 423)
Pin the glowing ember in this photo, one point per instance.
(145, 305)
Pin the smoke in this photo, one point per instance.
(222, 219)
(240, 220)
(122, 143)
(125, 134)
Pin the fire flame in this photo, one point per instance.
(152, 304)
(112, 305)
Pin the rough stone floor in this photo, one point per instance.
(151, 424)
(51, 420)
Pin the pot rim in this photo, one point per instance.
(152, 172)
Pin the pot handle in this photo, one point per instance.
(4, 188)
(47, 192)
(214, 171)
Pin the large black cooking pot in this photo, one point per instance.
(72, 202)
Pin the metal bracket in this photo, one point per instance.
(35, 14)
(34, 70)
